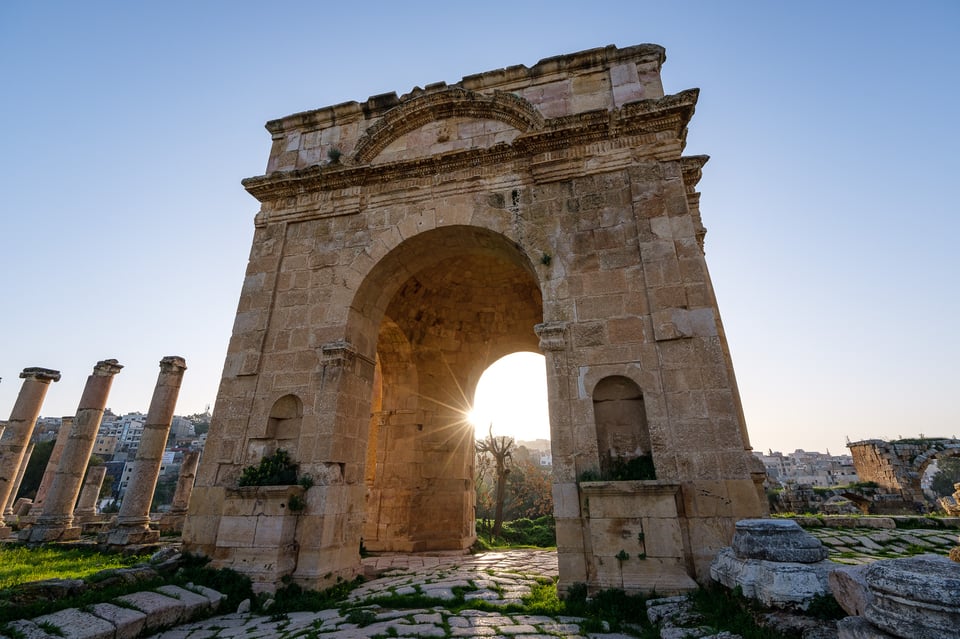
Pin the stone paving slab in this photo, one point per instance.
(76, 624)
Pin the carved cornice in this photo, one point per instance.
(552, 335)
(671, 113)
(692, 168)
(449, 102)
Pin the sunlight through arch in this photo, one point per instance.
(512, 395)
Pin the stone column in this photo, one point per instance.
(133, 521)
(23, 418)
(86, 510)
(56, 520)
(173, 520)
(66, 425)
(8, 511)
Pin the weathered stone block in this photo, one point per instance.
(75, 624)
(160, 610)
(915, 597)
(128, 623)
(776, 540)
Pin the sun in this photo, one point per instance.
(512, 396)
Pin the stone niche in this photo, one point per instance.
(636, 541)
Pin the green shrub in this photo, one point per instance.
(276, 470)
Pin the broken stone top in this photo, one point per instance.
(507, 79)
(776, 540)
(107, 368)
(40, 374)
(173, 363)
(491, 109)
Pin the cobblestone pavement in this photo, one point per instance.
(500, 578)
(863, 545)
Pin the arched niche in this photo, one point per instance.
(282, 431)
(621, 421)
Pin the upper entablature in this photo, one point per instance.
(479, 111)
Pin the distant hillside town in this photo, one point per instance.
(804, 467)
(116, 444)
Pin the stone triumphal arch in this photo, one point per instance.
(404, 244)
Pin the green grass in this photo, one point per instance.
(19, 564)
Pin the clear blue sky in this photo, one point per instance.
(829, 199)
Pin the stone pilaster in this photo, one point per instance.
(23, 418)
(133, 521)
(86, 510)
(173, 520)
(66, 424)
(56, 520)
(8, 511)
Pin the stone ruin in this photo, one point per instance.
(785, 568)
(404, 244)
(897, 467)
(65, 506)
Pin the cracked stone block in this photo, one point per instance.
(161, 611)
(194, 605)
(127, 623)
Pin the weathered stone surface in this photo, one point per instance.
(46, 590)
(915, 597)
(75, 624)
(159, 609)
(194, 605)
(26, 629)
(777, 584)
(860, 628)
(128, 623)
(776, 540)
(849, 587)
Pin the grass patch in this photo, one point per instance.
(20, 564)
(519, 533)
(724, 609)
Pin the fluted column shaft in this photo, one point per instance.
(23, 418)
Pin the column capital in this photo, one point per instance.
(40, 374)
(107, 368)
(173, 364)
(552, 335)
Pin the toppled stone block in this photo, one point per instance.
(849, 587)
(74, 624)
(46, 590)
(776, 540)
(788, 585)
(915, 597)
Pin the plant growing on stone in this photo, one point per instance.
(276, 470)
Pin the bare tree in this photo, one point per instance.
(499, 449)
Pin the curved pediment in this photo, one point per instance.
(448, 103)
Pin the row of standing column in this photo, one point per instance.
(61, 516)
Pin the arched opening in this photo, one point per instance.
(512, 396)
(623, 437)
(453, 300)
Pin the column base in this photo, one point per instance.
(132, 536)
(5, 532)
(41, 534)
